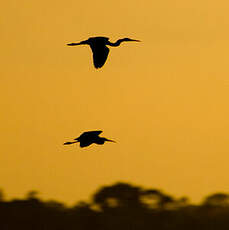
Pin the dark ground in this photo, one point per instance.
(120, 206)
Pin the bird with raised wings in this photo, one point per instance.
(88, 138)
(99, 48)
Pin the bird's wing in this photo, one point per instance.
(92, 133)
(96, 133)
(89, 133)
(100, 53)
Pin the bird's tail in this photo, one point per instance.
(70, 142)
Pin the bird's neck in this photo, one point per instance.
(117, 43)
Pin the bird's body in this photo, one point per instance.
(88, 138)
(99, 48)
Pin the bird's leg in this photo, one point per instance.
(110, 140)
(79, 43)
(70, 142)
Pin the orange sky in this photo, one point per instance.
(164, 100)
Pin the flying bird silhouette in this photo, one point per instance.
(88, 138)
(99, 48)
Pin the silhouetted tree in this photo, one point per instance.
(156, 199)
(1, 195)
(32, 195)
(118, 195)
(182, 202)
(121, 206)
(55, 205)
(217, 199)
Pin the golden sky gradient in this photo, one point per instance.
(164, 100)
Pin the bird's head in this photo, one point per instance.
(129, 40)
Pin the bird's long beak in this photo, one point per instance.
(135, 40)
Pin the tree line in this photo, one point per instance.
(121, 206)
